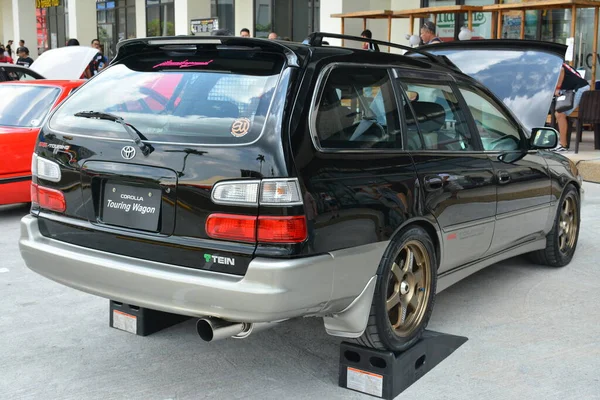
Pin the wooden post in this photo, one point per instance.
(499, 25)
(595, 47)
(389, 38)
(411, 21)
(574, 31)
(342, 31)
(470, 20)
(364, 24)
(522, 24)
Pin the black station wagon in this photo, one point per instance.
(245, 181)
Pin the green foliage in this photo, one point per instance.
(154, 28)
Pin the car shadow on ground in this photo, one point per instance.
(14, 211)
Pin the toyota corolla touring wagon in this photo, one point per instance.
(245, 181)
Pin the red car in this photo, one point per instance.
(23, 107)
(25, 104)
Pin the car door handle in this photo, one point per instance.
(503, 177)
(433, 183)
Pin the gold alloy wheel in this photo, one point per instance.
(568, 222)
(408, 288)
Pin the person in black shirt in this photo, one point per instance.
(24, 59)
(569, 79)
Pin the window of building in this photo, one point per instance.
(496, 130)
(290, 19)
(116, 22)
(52, 27)
(441, 121)
(160, 18)
(224, 10)
(357, 110)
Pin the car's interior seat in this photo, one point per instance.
(431, 118)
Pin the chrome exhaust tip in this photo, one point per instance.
(211, 329)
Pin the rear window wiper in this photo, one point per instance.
(136, 135)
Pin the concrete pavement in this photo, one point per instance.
(534, 333)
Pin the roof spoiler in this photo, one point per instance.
(130, 47)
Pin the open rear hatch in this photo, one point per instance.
(143, 155)
(521, 73)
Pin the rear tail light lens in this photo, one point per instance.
(282, 229)
(245, 228)
(236, 193)
(273, 192)
(280, 192)
(45, 169)
(47, 198)
(240, 228)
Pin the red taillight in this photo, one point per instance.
(282, 229)
(50, 199)
(243, 228)
(240, 228)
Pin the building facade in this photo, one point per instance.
(48, 24)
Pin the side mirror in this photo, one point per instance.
(543, 138)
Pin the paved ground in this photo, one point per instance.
(534, 333)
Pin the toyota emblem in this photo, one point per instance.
(128, 152)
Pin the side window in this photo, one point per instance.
(497, 132)
(357, 109)
(440, 119)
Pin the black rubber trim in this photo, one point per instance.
(15, 179)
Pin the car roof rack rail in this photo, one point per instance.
(316, 39)
(133, 46)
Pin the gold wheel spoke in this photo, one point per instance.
(418, 275)
(567, 206)
(392, 301)
(414, 301)
(410, 259)
(403, 312)
(397, 272)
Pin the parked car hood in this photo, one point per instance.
(65, 63)
(521, 73)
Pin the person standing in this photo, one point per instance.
(428, 35)
(569, 79)
(98, 62)
(245, 32)
(9, 48)
(21, 43)
(4, 57)
(273, 36)
(367, 34)
(24, 59)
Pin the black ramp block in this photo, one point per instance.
(386, 374)
(141, 321)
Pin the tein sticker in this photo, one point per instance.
(240, 127)
(183, 64)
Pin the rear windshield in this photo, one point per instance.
(25, 106)
(220, 97)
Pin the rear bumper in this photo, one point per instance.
(15, 191)
(270, 290)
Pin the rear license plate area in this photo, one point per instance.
(130, 206)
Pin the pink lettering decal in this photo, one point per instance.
(183, 64)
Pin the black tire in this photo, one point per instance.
(379, 333)
(553, 255)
